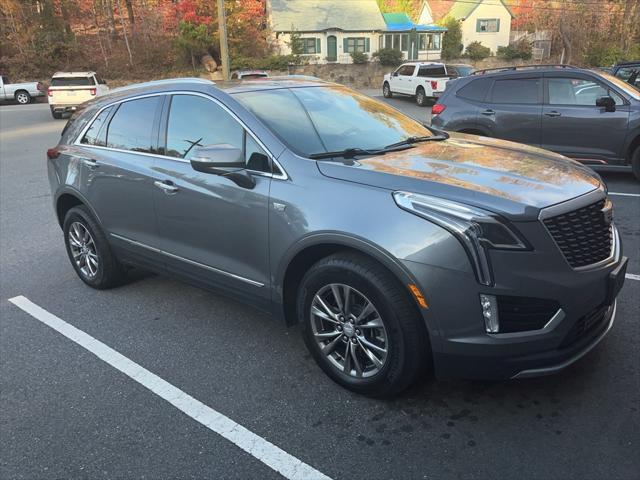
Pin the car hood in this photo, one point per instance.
(504, 177)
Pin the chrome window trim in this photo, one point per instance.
(575, 204)
(186, 260)
(77, 142)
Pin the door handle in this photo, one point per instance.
(553, 113)
(488, 112)
(167, 186)
(89, 162)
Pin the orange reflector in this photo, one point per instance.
(419, 298)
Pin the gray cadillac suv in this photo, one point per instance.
(399, 249)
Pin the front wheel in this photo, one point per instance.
(361, 326)
(386, 90)
(23, 98)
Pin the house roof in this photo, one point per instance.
(398, 22)
(458, 9)
(313, 15)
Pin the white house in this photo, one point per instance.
(484, 21)
(330, 30)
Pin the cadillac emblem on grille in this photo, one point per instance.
(607, 212)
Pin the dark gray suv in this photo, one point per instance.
(398, 249)
(590, 116)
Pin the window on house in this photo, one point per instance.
(488, 25)
(355, 44)
(310, 46)
(429, 41)
(404, 42)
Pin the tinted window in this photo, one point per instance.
(435, 71)
(321, 119)
(576, 91)
(255, 156)
(72, 81)
(520, 90)
(198, 122)
(407, 70)
(131, 127)
(96, 134)
(475, 90)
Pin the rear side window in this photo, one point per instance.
(433, 71)
(517, 90)
(97, 133)
(72, 82)
(131, 128)
(475, 90)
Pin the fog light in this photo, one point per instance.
(490, 313)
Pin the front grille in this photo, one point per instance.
(519, 314)
(585, 325)
(582, 235)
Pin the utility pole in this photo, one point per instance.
(224, 49)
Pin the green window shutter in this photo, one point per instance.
(478, 25)
(498, 25)
(317, 45)
(367, 45)
(345, 47)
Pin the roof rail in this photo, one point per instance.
(154, 83)
(521, 67)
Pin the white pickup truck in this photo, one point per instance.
(70, 89)
(422, 80)
(22, 93)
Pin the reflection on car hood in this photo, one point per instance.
(506, 177)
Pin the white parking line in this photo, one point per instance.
(620, 194)
(632, 276)
(285, 464)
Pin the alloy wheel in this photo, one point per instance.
(22, 98)
(349, 330)
(83, 250)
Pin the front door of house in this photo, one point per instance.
(332, 48)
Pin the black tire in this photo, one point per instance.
(635, 163)
(408, 352)
(22, 97)
(56, 115)
(109, 272)
(386, 90)
(421, 97)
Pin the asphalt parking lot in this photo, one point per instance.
(65, 413)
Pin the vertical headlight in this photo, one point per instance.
(477, 230)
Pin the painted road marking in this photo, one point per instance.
(285, 464)
(620, 194)
(632, 276)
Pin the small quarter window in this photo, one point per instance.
(475, 90)
(96, 134)
(255, 156)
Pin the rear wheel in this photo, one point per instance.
(635, 163)
(421, 97)
(361, 326)
(23, 97)
(56, 115)
(89, 251)
(386, 90)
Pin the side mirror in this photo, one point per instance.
(225, 160)
(608, 103)
(394, 74)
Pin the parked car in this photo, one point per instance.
(396, 248)
(457, 70)
(423, 80)
(22, 93)
(69, 89)
(628, 71)
(249, 74)
(590, 116)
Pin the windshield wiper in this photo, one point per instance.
(357, 152)
(412, 140)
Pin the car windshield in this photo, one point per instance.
(332, 118)
(629, 89)
(71, 81)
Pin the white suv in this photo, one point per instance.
(423, 80)
(70, 89)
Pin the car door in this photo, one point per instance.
(402, 79)
(574, 126)
(513, 109)
(212, 230)
(114, 158)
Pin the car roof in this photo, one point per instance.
(525, 71)
(422, 63)
(73, 74)
(624, 64)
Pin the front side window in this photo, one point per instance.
(488, 25)
(517, 90)
(407, 70)
(576, 91)
(131, 127)
(321, 119)
(198, 122)
(354, 44)
(96, 134)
